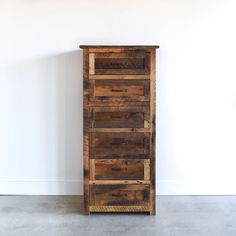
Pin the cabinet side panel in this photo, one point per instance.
(153, 133)
(86, 128)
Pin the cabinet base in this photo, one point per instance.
(119, 209)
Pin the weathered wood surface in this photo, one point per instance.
(86, 139)
(119, 195)
(120, 117)
(119, 90)
(153, 134)
(119, 169)
(127, 63)
(119, 145)
(119, 128)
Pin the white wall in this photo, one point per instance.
(41, 89)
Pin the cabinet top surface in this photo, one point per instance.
(119, 46)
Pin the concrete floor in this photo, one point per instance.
(63, 216)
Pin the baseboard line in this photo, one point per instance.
(75, 187)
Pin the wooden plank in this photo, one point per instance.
(119, 182)
(120, 194)
(119, 46)
(118, 144)
(119, 169)
(91, 63)
(92, 169)
(98, 148)
(119, 208)
(153, 133)
(114, 130)
(119, 117)
(146, 169)
(120, 90)
(86, 129)
(119, 77)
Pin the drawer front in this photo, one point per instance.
(118, 169)
(117, 145)
(119, 90)
(125, 63)
(116, 195)
(120, 117)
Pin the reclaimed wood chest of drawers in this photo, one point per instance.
(119, 128)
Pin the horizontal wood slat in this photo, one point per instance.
(119, 77)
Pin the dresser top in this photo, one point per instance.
(119, 46)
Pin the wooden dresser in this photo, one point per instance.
(119, 128)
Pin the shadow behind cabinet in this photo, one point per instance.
(119, 128)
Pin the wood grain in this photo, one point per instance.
(153, 134)
(119, 169)
(120, 117)
(119, 145)
(119, 77)
(86, 129)
(119, 208)
(119, 90)
(119, 195)
(119, 128)
(95, 182)
(91, 63)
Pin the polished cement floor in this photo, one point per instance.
(63, 216)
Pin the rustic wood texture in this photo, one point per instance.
(119, 77)
(119, 169)
(119, 208)
(119, 145)
(119, 195)
(153, 134)
(120, 117)
(119, 128)
(119, 182)
(86, 129)
(120, 90)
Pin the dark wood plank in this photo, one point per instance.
(86, 129)
(119, 77)
(119, 46)
(119, 169)
(119, 195)
(119, 145)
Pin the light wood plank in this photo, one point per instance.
(146, 169)
(92, 169)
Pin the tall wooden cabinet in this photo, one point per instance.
(119, 128)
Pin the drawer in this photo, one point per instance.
(119, 169)
(133, 145)
(116, 195)
(121, 63)
(120, 117)
(119, 90)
